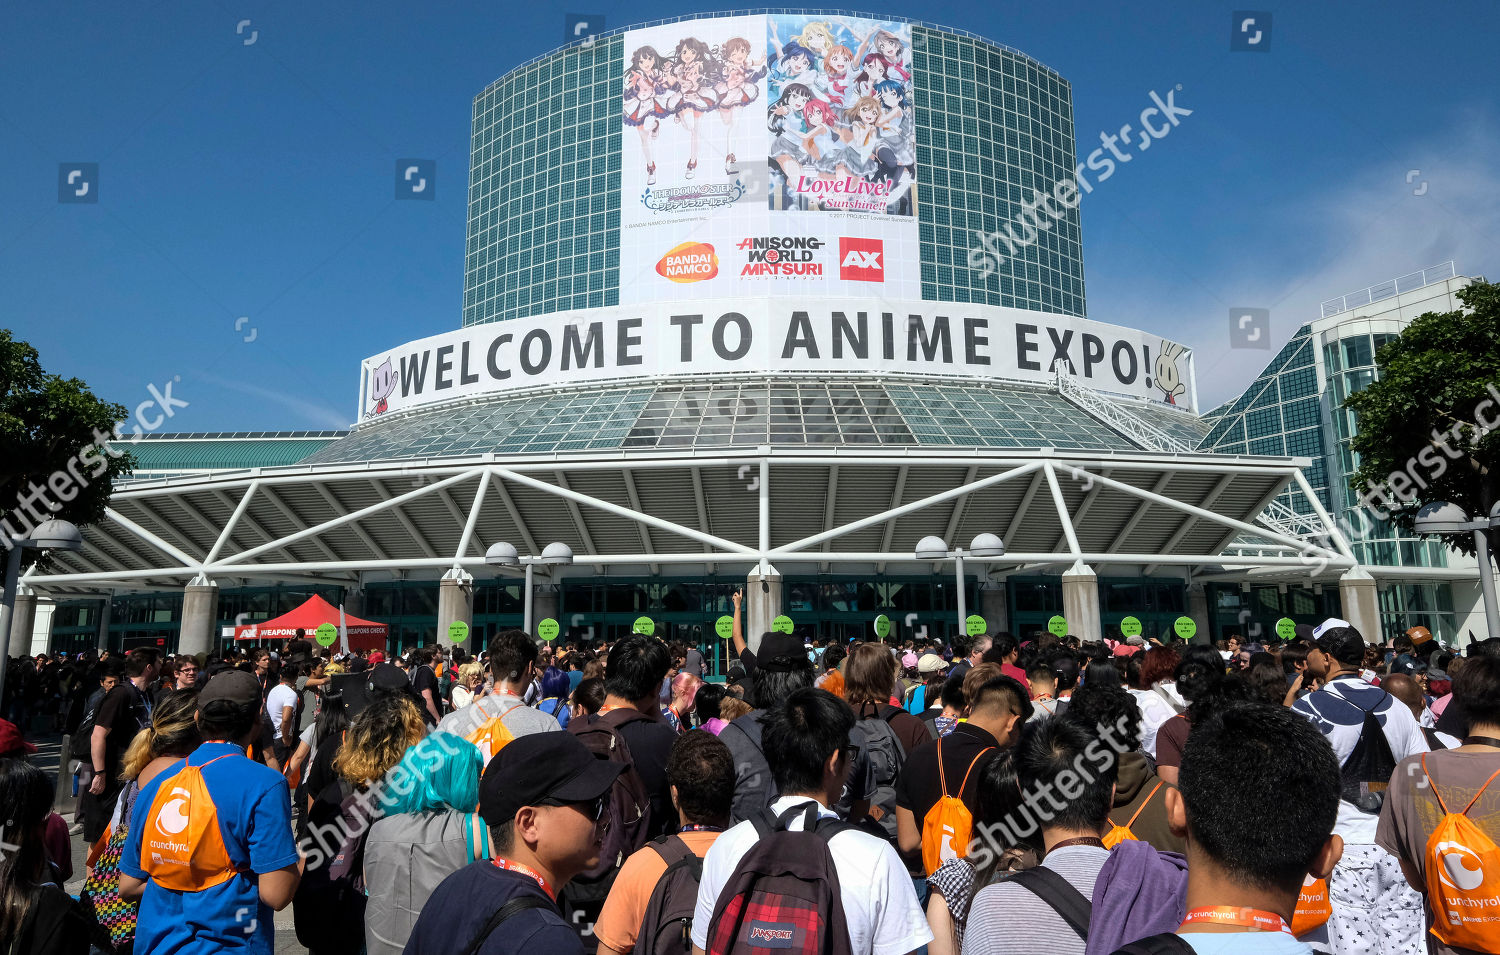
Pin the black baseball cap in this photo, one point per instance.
(781, 651)
(232, 686)
(542, 767)
(1345, 644)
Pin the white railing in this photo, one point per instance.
(1134, 427)
(1390, 288)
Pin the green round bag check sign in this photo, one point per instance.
(1130, 627)
(974, 625)
(1184, 627)
(458, 631)
(644, 626)
(1286, 628)
(782, 624)
(882, 626)
(548, 629)
(326, 634)
(724, 627)
(1057, 626)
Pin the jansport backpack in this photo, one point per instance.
(886, 754)
(182, 847)
(948, 825)
(784, 894)
(1367, 772)
(1463, 876)
(667, 926)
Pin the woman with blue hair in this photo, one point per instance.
(430, 830)
(555, 689)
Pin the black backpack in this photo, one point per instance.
(1164, 944)
(877, 739)
(667, 927)
(784, 893)
(1367, 772)
(331, 897)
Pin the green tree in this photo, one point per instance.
(55, 460)
(1421, 430)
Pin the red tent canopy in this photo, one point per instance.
(363, 634)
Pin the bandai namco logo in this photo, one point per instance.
(689, 262)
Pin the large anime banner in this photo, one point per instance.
(767, 154)
(839, 108)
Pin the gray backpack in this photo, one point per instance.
(875, 738)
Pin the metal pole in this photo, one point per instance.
(526, 620)
(958, 560)
(7, 607)
(1486, 581)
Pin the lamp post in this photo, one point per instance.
(1441, 517)
(984, 546)
(501, 554)
(48, 535)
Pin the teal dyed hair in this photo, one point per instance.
(440, 772)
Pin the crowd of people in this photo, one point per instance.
(992, 795)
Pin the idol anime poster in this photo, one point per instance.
(840, 115)
(693, 98)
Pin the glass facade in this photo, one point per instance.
(1279, 414)
(1349, 367)
(994, 127)
(745, 414)
(544, 187)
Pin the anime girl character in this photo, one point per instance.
(646, 92)
(866, 153)
(738, 86)
(689, 76)
(825, 138)
(787, 121)
(794, 65)
(837, 79)
(817, 36)
(871, 73)
(898, 133)
(893, 51)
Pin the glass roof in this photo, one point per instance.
(737, 414)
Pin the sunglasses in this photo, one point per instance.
(593, 811)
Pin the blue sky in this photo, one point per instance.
(256, 179)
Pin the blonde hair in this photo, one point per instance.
(173, 732)
(823, 28)
(732, 708)
(469, 671)
(378, 738)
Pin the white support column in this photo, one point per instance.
(1361, 604)
(455, 603)
(22, 621)
(762, 603)
(1081, 602)
(200, 613)
(994, 606)
(101, 640)
(1197, 609)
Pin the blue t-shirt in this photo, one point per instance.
(463, 902)
(254, 810)
(1245, 943)
(556, 708)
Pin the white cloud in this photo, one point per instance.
(313, 414)
(1368, 228)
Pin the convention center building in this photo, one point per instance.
(768, 301)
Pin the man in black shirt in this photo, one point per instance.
(542, 797)
(997, 710)
(424, 681)
(124, 711)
